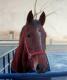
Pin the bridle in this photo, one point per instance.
(31, 53)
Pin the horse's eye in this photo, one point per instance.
(28, 35)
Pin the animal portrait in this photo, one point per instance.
(30, 54)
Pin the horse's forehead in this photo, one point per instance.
(33, 26)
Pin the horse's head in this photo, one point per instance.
(34, 40)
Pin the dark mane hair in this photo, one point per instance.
(36, 23)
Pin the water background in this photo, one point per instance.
(57, 56)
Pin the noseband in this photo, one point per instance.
(32, 53)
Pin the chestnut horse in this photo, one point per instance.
(30, 55)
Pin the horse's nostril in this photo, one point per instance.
(39, 68)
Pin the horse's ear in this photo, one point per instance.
(30, 17)
(42, 18)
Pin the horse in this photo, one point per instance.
(30, 55)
